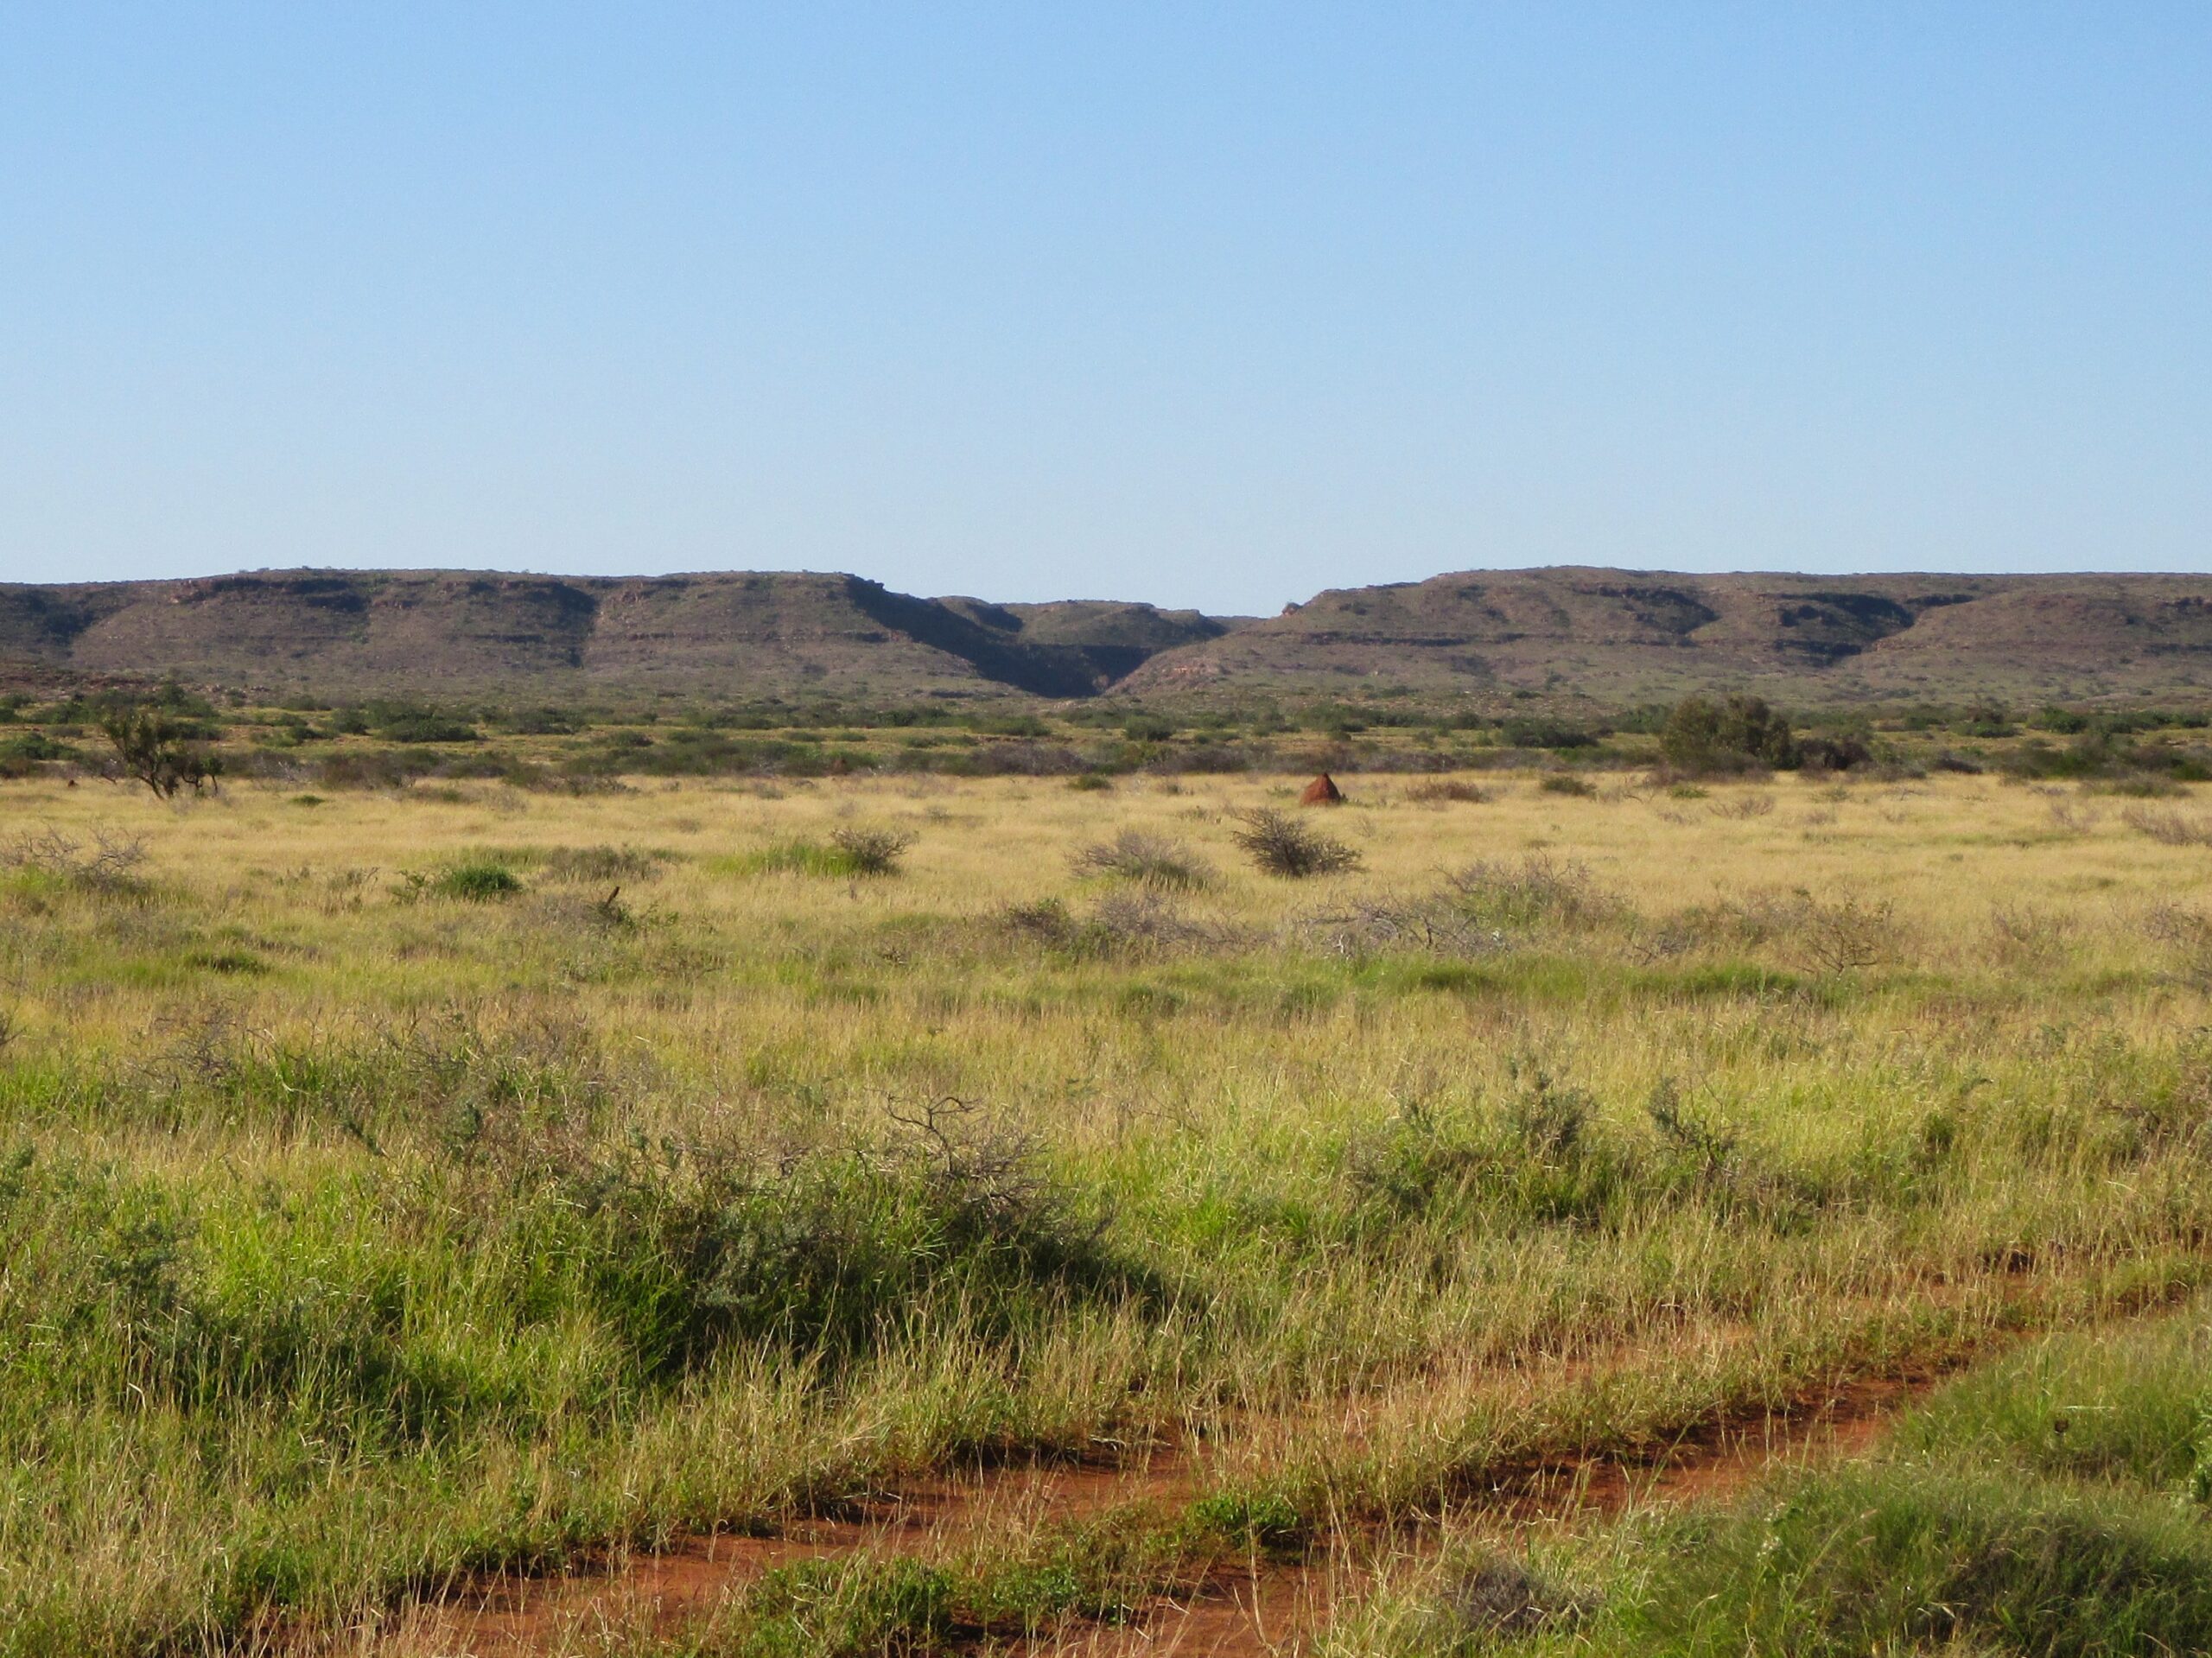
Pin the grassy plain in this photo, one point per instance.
(399, 1186)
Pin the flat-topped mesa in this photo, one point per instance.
(1627, 637)
(1621, 638)
(415, 632)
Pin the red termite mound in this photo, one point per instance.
(1322, 791)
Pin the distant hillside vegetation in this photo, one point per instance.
(1622, 636)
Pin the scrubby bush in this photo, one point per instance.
(404, 723)
(602, 863)
(1280, 845)
(107, 867)
(1740, 734)
(1146, 859)
(156, 748)
(872, 851)
(1839, 753)
(1534, 733)
(1538, 891)
(1456, 789)
(2169, 827)
(1121, 924)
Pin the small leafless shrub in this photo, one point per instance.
(1144, 923)
(1743, 807)
(1537, 890)
(1432, 925)
(1442, 790)
(108, 866)
(1845, 935)
(989, 1165)
(2186, 932)
(1146, 859)
(2031, 934)
(344, 889)
(2067, 815)
(595, 865)
(2172, 924)
(1280, 845)
(2169, 827)
(1651, 943)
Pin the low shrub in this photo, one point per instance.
(599, 864)
(1280, 845)
(107, 866)
(872, 851)
(1448, 789)
(1146, 859)
(2169, 827)
(1738, 733)
(1539, 891)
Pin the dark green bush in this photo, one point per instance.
(479, 880)
(1739, 733)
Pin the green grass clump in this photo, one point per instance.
(848, 854)
(1901, 1558)
(797, 858)
(474, 880)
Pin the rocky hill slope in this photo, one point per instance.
(1620, 636)
(1628, 637)
(432, 633)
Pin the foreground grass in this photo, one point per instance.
(2055, 1502)
(369, 1218)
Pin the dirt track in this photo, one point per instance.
(1254, 1607)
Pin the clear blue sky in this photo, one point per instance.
(1210, 304)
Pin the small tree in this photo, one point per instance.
(1735, 735)
(160, 750)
